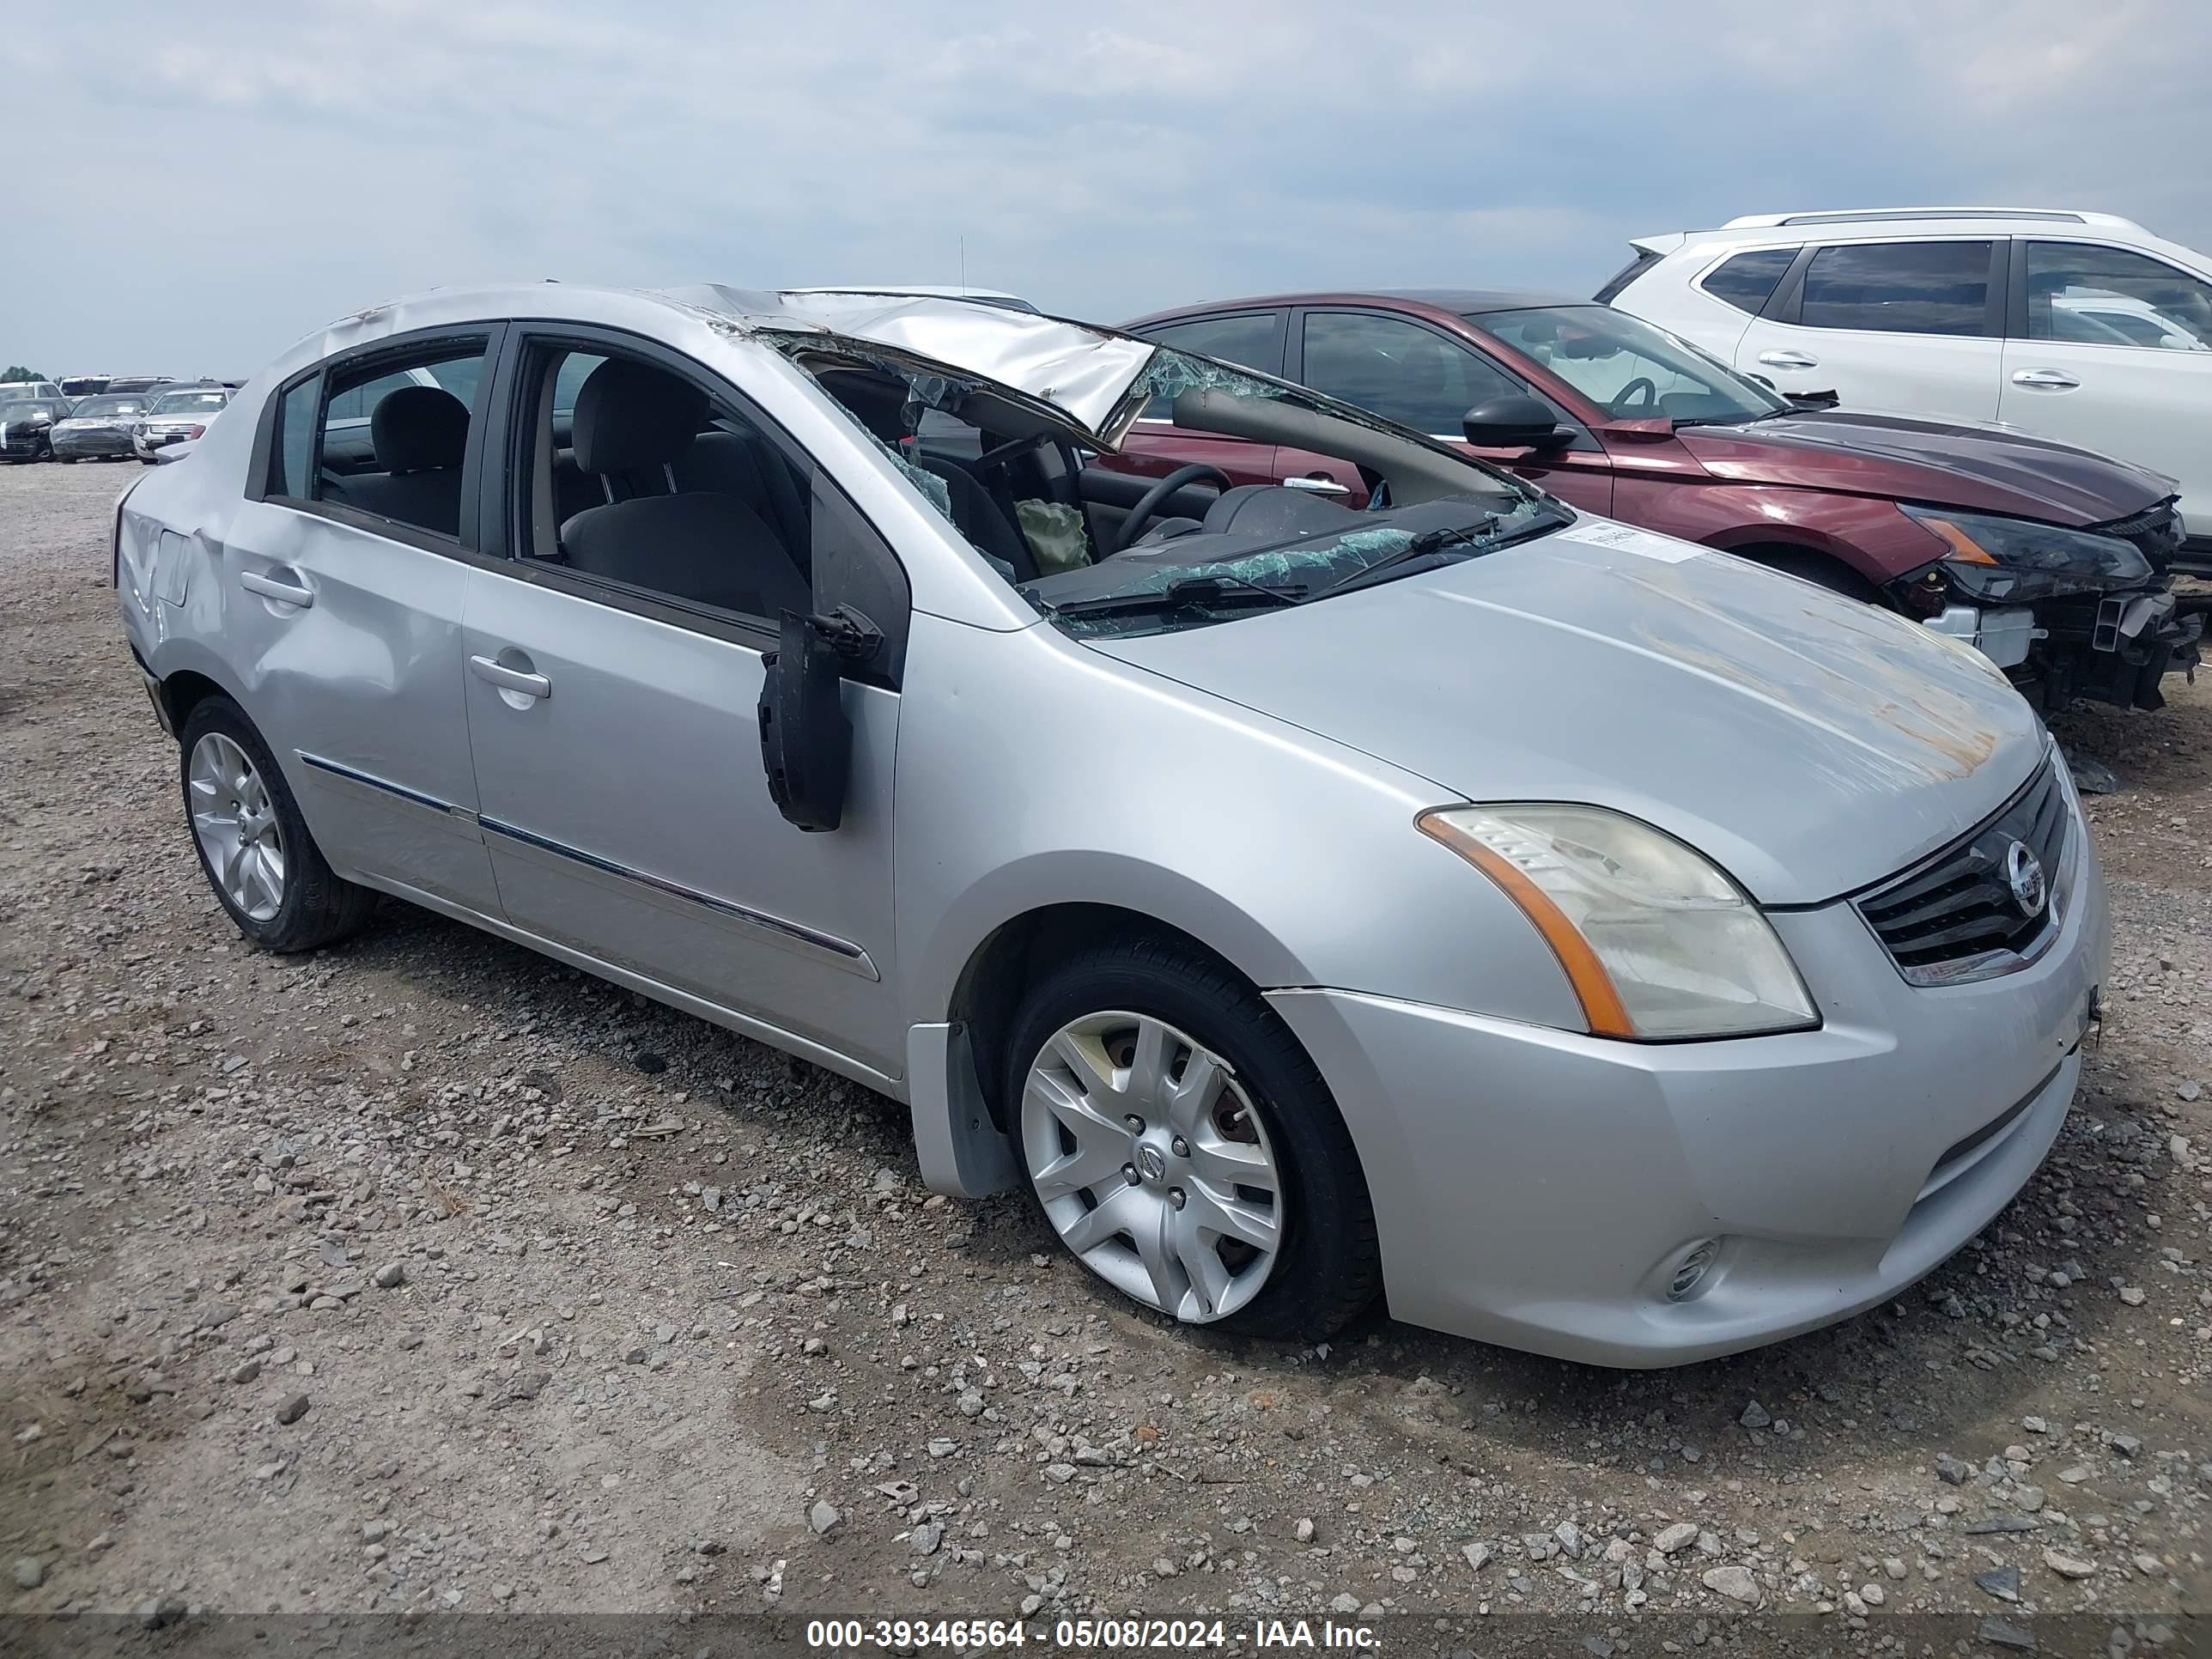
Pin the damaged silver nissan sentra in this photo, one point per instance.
(1592, 943)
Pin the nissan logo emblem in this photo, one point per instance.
(2024, 875)
(1150, 1163)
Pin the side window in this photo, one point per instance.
(394, 431)
(1747, 280)
(2110, 296)
(294, 471)
(1399, 369)
(639, 477)
(1899, 287)
(1251, 339)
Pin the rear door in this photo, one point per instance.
(1911, 327)
(2112, 350)
(1410, 371)
(347, 630)
(1156, 445)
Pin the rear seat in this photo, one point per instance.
(419, 434)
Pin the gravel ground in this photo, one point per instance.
(424, 1273)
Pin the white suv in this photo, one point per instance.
(2082, 327)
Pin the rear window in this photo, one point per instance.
(1747, 281)
(1644, 259)
(1899, 287)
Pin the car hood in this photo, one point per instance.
(1811, 744)
(1988, 468)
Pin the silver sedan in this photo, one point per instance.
(181, 415)
(1582, 940)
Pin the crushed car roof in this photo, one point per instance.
(1089, 374)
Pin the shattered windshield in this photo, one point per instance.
(1204, 575)
(1098, 549)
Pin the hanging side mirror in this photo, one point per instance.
(806, 740)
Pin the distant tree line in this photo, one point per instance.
(17, 372)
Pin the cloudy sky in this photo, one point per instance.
(208, 182)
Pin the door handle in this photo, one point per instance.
(1318, 484)
(510, 679)
(270, 588)
(1788, 360)
(2053, 380)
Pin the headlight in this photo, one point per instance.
(2012, 560)
(1656, 941)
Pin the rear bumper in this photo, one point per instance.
(1537, 1188)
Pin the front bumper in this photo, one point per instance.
(144, 444)
(21, 445)
(1537, 1188)
(94, 444)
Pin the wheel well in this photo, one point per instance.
(1023, 950)
(184, 691)
(1814, 566)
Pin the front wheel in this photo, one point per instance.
(253, 844)
(1183, 1146)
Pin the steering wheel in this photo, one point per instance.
(999, 454)
(1148, 505)
(1650, 400)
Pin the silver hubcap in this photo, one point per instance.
(1152, 1165)
(236, 827)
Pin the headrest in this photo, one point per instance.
(416, 428)
(628, 414)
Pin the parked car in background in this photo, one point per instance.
(2052, 560)
(83, 386)
(33, 391)
(1591, 942)
(139, 382)
(179, 414)
(27, 428)
(2079, 327)
(99, 427)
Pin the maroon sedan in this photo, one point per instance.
(2054, 560)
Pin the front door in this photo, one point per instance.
(613, 673)
(2114, 353)
(1411, 372)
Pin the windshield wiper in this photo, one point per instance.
(1433, 541)
(1216, 592)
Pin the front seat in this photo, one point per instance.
(632, 423)
(418, 432)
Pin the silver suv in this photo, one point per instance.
(2076, 326)
(1591, 943)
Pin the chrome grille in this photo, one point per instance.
(1956, 916)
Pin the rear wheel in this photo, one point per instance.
(1183, 1146)
(263, 866)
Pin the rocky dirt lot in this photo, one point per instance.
(423, 1273)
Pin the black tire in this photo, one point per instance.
(1819, 568)
(320, 907)
(1330, 1267)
